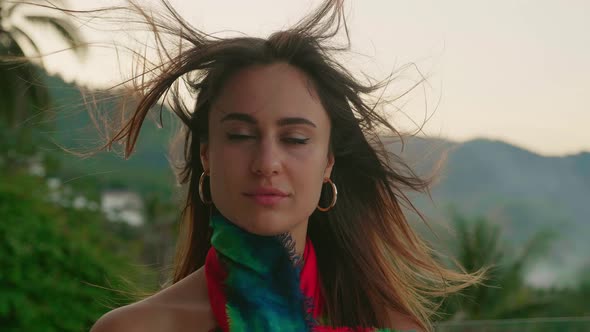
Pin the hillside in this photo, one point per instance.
(520, 190)
(147, 170)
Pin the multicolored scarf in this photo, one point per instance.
(258, 283)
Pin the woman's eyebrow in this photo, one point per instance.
(293, 121)
(239, 117)
(281, 122)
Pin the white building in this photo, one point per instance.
(122, 205)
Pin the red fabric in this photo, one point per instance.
(215, 276)
(310, 279)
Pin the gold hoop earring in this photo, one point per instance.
(201, 195)
(334, 196)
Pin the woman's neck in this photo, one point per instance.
(299, 236)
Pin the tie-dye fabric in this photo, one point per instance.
(258, 283)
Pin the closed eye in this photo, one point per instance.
(292, 140)
(239, 137)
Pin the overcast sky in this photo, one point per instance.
(514, 70)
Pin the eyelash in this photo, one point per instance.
(290, 140)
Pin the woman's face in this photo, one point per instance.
(268, 150)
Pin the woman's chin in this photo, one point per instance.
(264, 227)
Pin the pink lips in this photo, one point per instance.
(266, 195)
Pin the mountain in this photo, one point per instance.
(523, 192)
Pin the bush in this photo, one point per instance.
(55, 261)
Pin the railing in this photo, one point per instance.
(565, 324)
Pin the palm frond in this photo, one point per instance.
(22, 91)
(538, 245)
(67, 31)
(9, 47)
(478, 244)
(23, 94)
(10, 7)
(17, 33)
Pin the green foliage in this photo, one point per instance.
(58, 271)
(505, 293)
(568, 324)
(60, 267)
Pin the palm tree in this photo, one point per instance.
(505, 294)
(23, 94)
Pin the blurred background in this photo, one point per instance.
(505, 101)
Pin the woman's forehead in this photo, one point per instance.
(269, 90)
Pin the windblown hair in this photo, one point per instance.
(371, 262)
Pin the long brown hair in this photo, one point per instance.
(371, 262)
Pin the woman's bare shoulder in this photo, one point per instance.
(183, 306)
(134, 317)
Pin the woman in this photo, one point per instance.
(293, 217)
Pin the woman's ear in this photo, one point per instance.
(204, 154)
(329, 166)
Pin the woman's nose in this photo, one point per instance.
(266, 160)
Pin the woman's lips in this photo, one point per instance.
(266, 195)
(267, 200)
